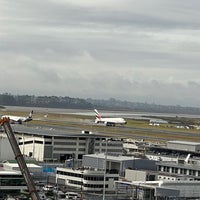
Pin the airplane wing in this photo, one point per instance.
(19, 119)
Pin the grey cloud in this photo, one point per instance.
(126, 49)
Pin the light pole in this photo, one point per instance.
(104, 177)
(81, 185)
(57, 177)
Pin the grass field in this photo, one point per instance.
(133, 129)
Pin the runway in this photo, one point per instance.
(154, 134)
(78, 124)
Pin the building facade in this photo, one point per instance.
(11, 182)
(180, 170)
(89, 180)
(6, 152)
(117, 163)
(57, 145)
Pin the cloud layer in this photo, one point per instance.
(145, 51)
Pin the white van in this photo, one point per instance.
(73, 196)
(48, 188)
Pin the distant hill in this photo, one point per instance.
(44, 101)
(113, 104)
(78, 103)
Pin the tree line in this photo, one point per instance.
(43, 101)
(7, 99)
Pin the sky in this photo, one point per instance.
(130, 50)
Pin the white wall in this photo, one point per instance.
(36, 149)
(6, 152)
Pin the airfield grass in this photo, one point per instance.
(83, 122)
(150, 133)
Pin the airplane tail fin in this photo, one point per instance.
(29, 118)
(30, 114)
(98, 116)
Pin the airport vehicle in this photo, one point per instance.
(73, 196)
(19, 119)
(48, 188)
(109, 121)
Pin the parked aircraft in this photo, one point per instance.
(19, 119)
(108, 121)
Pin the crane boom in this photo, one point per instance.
(5, 122)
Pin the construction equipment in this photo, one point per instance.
(5, 122)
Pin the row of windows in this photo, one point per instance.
(64, 143)
(48, 142)
(98, 178)
(12, 182)
(81, 149)
(82, 138)
(94, 178)
(64, 149)
(31, 142)
(67, 138)
(169, 178)
(64, 138)
(68, 149)
(87, 185)
(67, 143)
(108, 146)
(112, 145)
(179, 170)
(88, 178)
(95, 185)
(69, 174)
(36, 142)
(109, 150)
(83, 143)
(76, 182)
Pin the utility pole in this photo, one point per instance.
(104, 178)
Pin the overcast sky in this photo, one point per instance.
(134, 50)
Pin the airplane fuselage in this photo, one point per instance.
(19, 119)
(111, 121)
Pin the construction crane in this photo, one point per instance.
(5, 122)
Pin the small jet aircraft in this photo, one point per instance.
(109, 121)
(19, 119)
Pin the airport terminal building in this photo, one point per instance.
(60, 145)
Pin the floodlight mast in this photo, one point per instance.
(5, 122)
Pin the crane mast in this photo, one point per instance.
(5, 122)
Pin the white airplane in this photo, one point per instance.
(19, 119)
(108, 121)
